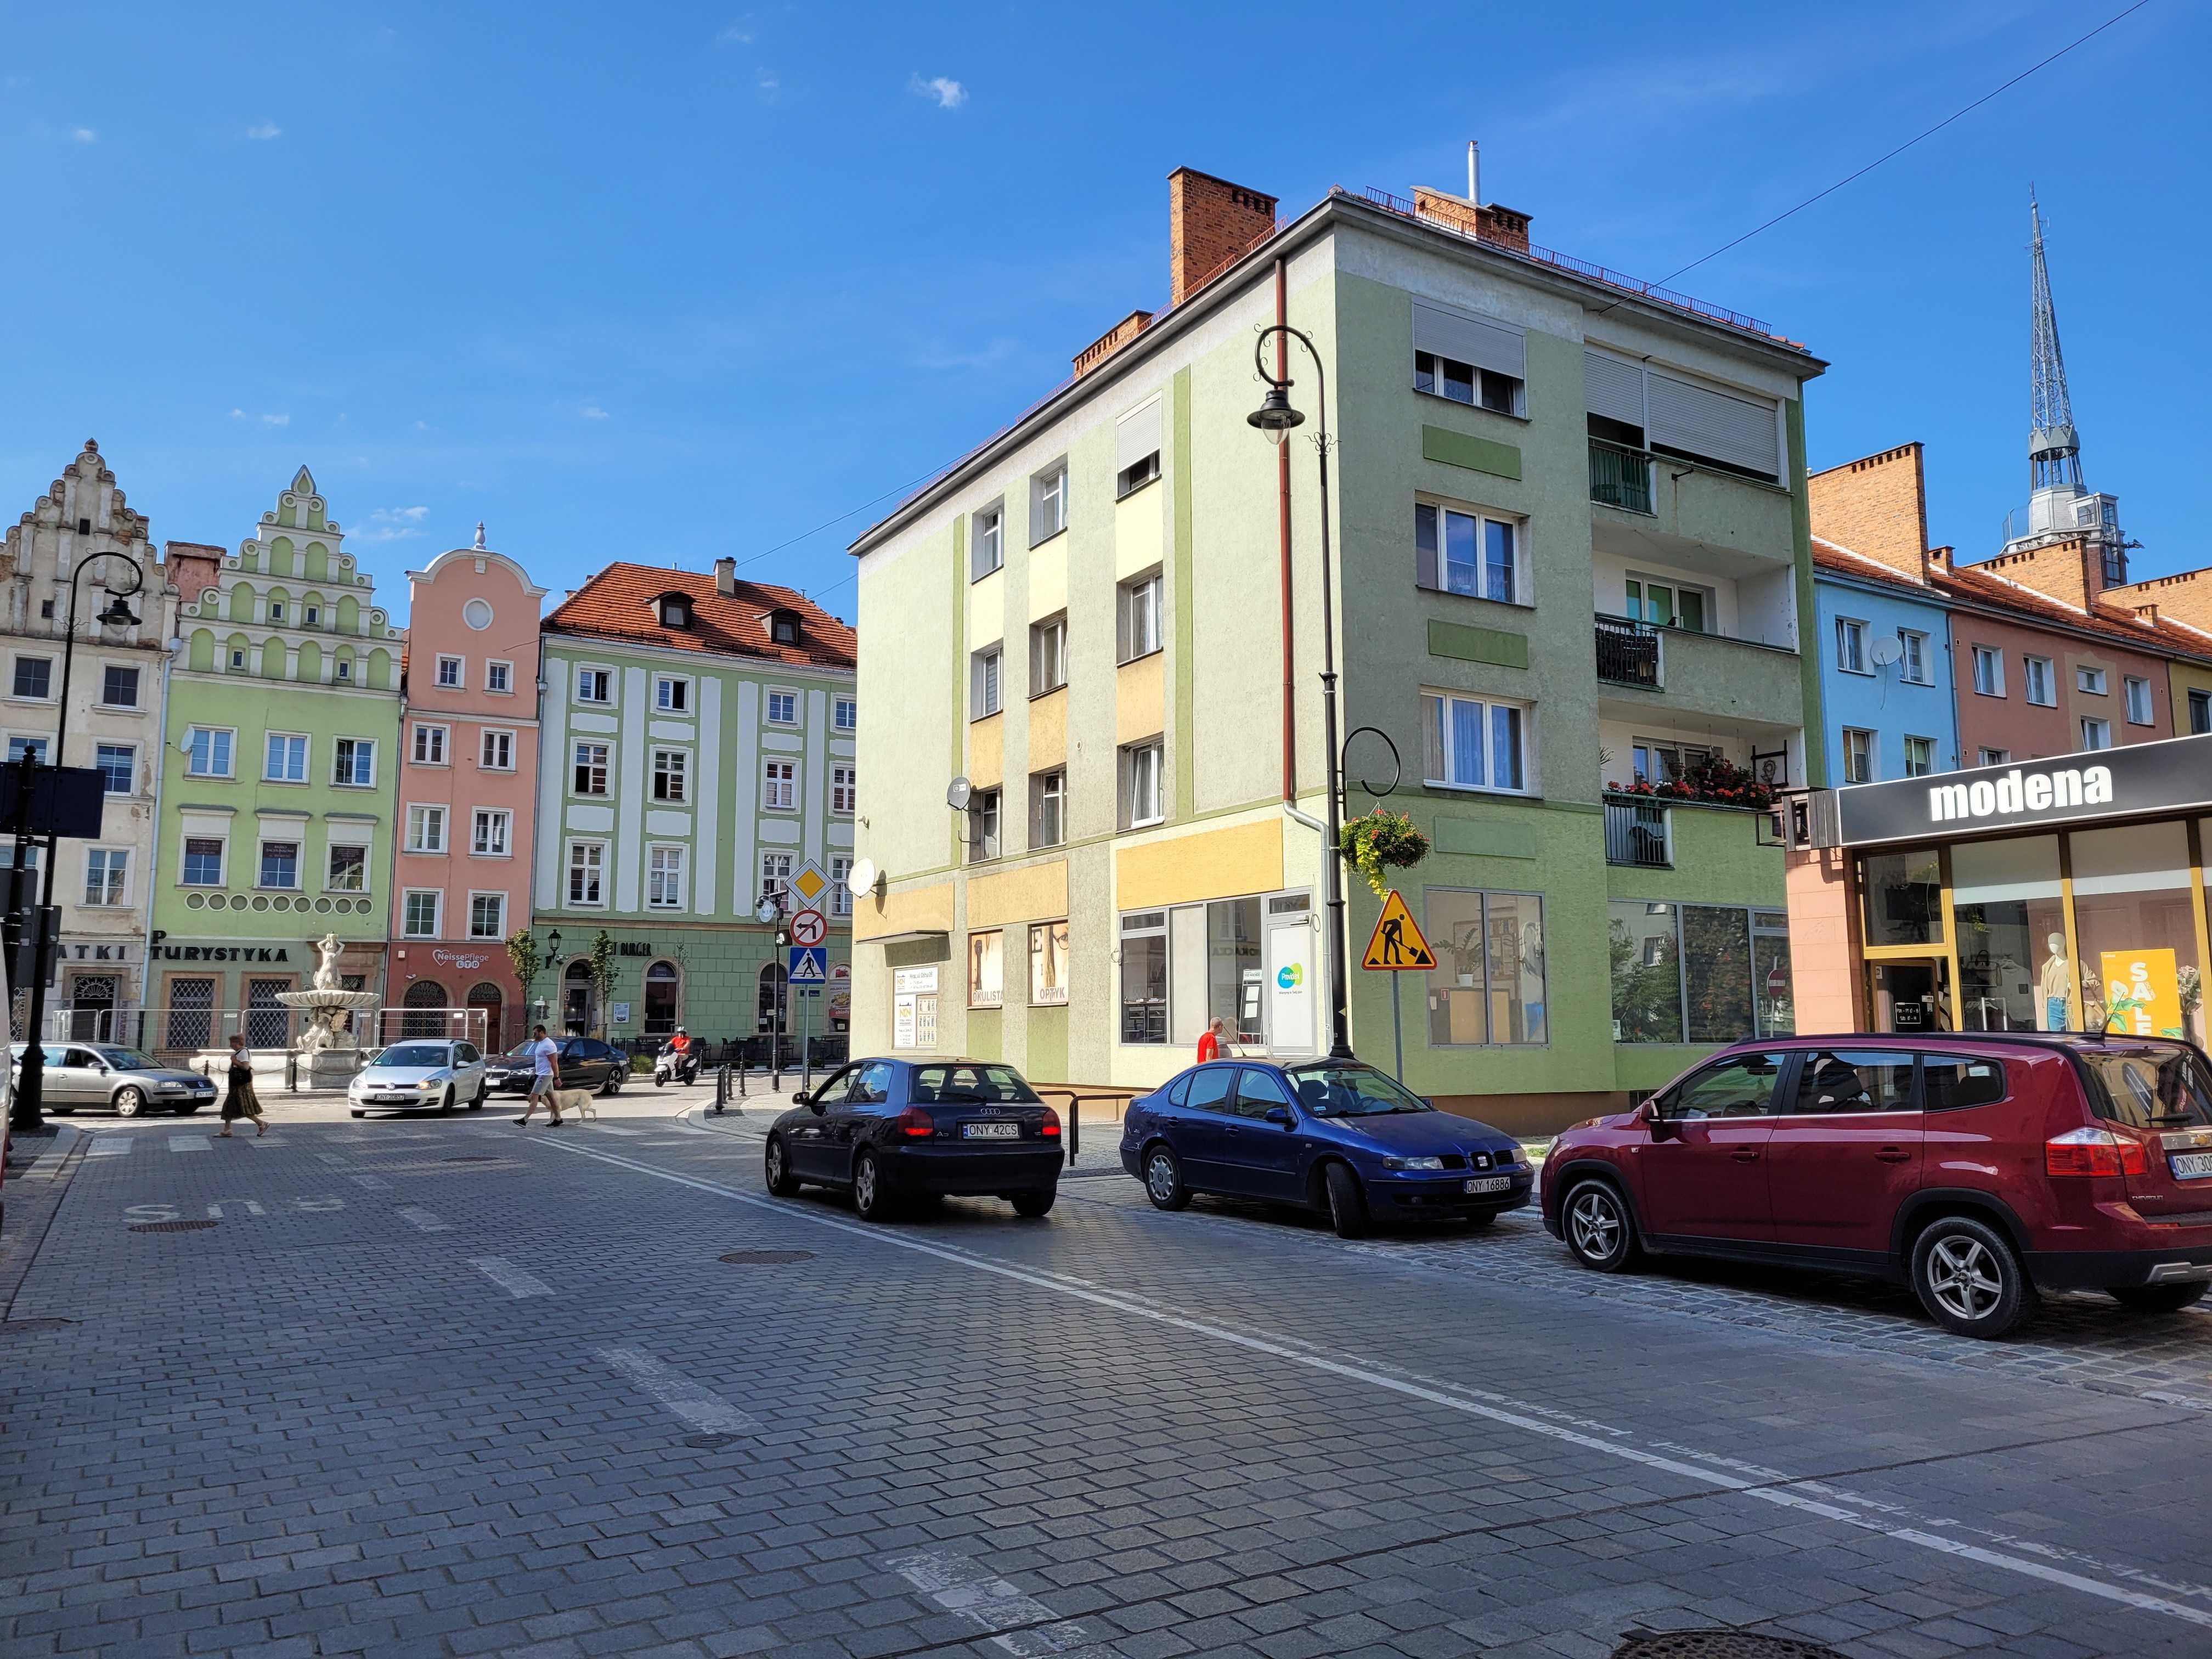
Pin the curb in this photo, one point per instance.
(22, 1244)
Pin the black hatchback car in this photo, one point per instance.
(883, 1129)
(586, 1063)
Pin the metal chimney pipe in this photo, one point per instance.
(1474, 173)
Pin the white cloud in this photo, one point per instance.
(735, 35)
(592, 412)
(392, 524)
(265, 420)
(769, 84)
(84, 134)
(948, 92)
(263, 130)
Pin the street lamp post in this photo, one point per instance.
(31, 1085)
(768, 910)
(1275, 418)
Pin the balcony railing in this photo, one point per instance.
(1619, 476)
(1628, 653)
(1636, 834)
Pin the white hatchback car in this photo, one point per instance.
(412, 1077)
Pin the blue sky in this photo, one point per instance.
(664, 283)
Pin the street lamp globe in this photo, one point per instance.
(767, 910)
(1275, 417)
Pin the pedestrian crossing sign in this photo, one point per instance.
(809, 964)
(1397, 944)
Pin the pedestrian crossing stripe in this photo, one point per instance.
(1397, 944)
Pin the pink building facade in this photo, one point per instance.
(468, 768)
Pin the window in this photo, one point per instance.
(1487, 986)
(845, 715)
(783, 628)
(1469, 553)
(1993, 757)
(1858, 756)
(2096, 734)
(2200, 712)
(419, 913)
(1048, 807)
(426, 828)
(499, 676)
(1048, 963)
(202, 862)
(668, 770)
(587, 867)
(983, 687)
(1670, 604)
(430, 745)
(285, 760)
(348, 870)
(238, 661)
(1137, 617)
(2042, 684)
(1664, 761)
(2090, 680)
(775, 873)
(1142, 795)
(1989, 671)
(1912, 657)
(675, 611)
(672, 695)
(591, 769)
(106, 872)
(986, 966)
(841, 890)
(987, 551)
(1135, 475)
(2138, 699)
(1145, 976)
(209, 751)
(344, 665)
(19, 747)
(783, 707)
(1690, 973)
(844, 790)
(1949, 1081)
(356, 762)
(1463, 383)
(1740, 1087)
(1850, 646)
(118, 687)
(314, 615)
(487, 915)
(1049, 503)
(279, 863)
(1049, 654)
(1849, 1082)
(1137, 449)
(779, 786)
(118, 767)
(983, 825)
(496, 753)
(7, 856)
(594, 685)
(487, 838)
(1919, 757)
(1471, 744)
(276, 611)
(449, 672)
(34, 677)
(664, 880)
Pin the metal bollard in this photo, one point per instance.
(292, 1070)
(721, 1089)
(741, 1077)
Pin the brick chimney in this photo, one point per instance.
(725, 577)
(2185, 598)
(2072, 571)
(191, 568)
(1110, 341)
(1877, 507)
(1503, 227)
(1210, 223)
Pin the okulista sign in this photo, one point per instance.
(2174, 775)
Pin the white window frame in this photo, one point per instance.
(593, 866)
(329, 852)
(844, 789)
(505, 671)
(341, 670)
(436, 738)
(1987, 757)
(2091, 682)
(986, 550)
(779, 784)
(503, 736)
(1130, 766)
(604, 766)
(661, 878)
(1872, 744)
(269, 739)
(2050, 677)
(261, 844)
(491, 833)
(120, 890)
(1047, 502)
(768, 706)
(678, 775)
(1851, 647)
(2138, 697)
(1131, 606)
(1485, 722)
(2100, 729)
(228, 734)
(14, 667)
(776, 868)
(337, 748)
(598, 680)
(407, 897)
(460, 675)
(499, 926)
(1991, 658)
(845, 713)
(1477, 378)
(679, 686)
(129, 748)
(987, 681)
(221, 862)
(1926, 747)
(108, 668)
(423, 818)
(1047, 654)
(1440, 512)
(1912, 664)
(841, 893)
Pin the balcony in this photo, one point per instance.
(1687, 514)
(1708, 675)
(1636, 835)
(1628, 653)
(1619, 476)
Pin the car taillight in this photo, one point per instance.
(915, 1124)
(2091, 1151)
(1050, 1129)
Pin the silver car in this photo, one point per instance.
(88, 1076)
(411, 1077)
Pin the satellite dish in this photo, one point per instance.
(957, 793)
(860, 878)
(1886, 651)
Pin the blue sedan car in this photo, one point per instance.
(1337, 1137)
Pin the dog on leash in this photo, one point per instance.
(565, 1101)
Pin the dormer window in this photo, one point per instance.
(675, 609)
(783, 627)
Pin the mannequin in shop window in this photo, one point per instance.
(2056, 983)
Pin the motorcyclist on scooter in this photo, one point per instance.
(687, 1062)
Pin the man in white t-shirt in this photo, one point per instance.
(545, 1079)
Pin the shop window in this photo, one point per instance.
(1145, 976)
(1048, 963)
(1904, 897)
(1699, 973)
(987, 967)
(2013, 971)
(662, 986)
(1645, 948)
(2133, 924)
(1488, 983)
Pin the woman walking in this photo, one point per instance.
(241, 1102)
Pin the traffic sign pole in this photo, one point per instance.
(1397, 1032)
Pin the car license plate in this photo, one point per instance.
(991, 1132)
(1488, 1184)
(2191, 1166)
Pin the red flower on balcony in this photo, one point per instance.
(1716, 779)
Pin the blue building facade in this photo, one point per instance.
(1886, 702)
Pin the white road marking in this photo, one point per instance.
(968, 1589)
(423, 1220)
(49, 1163)
(1514, 1414)
(335, 1160)
(610, 1129)
(110, 1145)
(707, 1412)
(188, 1143)
(509, 1277)
(369, 1182)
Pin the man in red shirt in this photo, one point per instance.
(1213, 1042)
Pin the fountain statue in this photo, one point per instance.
(330, 1042)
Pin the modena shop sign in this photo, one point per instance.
(2143, 778)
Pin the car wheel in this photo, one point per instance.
(870, 1201)
(1482, 1218)
(1347, 1205)
(1164, 1179)
(130, 1102)
(445, 1102)
(61, 1111)
(476, 1100)
(614, 1082)
(1968, 1279)
(188, 1108)
(1599, 1232)
(2159, 1298)
(358, 1113)
(1034, 1204)
(780, 1181)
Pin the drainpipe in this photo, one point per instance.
(1283, 526)
(170, 646)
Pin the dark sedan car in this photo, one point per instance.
(883, 1129)
(1337, 1137)
(586, 1063)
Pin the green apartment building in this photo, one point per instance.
(276, 818)
(1569, 519)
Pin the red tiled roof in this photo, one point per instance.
(2121, 627)
(618, 603)
(1834, 555)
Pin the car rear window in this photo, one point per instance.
(1950, 1081)
(2148, 1087)
(946, 1084)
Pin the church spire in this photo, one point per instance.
(2053, 447)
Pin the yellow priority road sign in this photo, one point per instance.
(1397, 944)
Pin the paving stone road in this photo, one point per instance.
(444, 1387)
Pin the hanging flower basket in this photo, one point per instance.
(1382, 840)
(1716, 780)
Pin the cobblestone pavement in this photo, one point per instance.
(443, 1386)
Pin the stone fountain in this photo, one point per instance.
(330, 1042)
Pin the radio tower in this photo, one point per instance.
(2054, 451)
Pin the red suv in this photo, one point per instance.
(1976, 1167)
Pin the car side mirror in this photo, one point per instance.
(1278, 1115)
(1662, 1126)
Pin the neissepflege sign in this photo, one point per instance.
(2173, 775)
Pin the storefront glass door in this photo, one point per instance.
(1911, 996)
